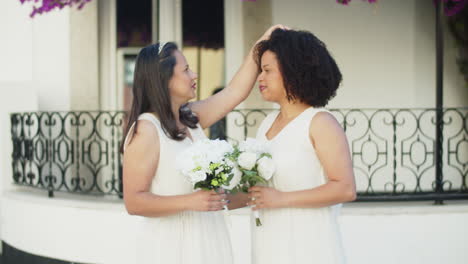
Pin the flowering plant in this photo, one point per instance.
(451, 7)
(346, 2)
(208, 165)
(48, 5)
(256, 165)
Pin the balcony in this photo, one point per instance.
(393, 151)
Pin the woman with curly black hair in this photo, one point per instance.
(314, 173)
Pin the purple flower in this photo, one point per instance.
(343, 2)
(346, 2)
(451, 7)
(49, 5)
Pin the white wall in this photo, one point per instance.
(51, 60)
(13, 98)
(84, 58)
(17, 86)
(92, 230)
(17, 36)
(386, 51)
(390, 233)
(36, 66)
(83, 230)
(55, 55)
(34, 55)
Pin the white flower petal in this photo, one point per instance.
(235, 179)
(247, 160)
(266, 168)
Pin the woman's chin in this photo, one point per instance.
(267, 98)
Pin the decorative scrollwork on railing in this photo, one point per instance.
(68, 151)
(393, 150)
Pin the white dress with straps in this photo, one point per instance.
(186, 237)
(296, 235)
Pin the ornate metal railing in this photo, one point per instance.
(68, 151)
(393, 150)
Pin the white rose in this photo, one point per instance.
(247, 160)
(200, 161)
(196, 176)
(253, 145)
(266, 168)
(235, 179)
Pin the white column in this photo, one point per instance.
(51, 59)
(170, 21)
(107, 19)
(84, 58)
(233, 37)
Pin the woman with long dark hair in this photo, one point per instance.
(178, 224)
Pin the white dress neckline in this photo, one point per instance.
(286, 126)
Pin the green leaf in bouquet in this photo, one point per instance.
(249, 173)
(233, 155)
(214, 166)
(236, 189)
(265, 155)
(246, 178)
(259, 179)
(197, 185)
(230, 176)
(203, 185)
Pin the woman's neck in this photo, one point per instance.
(290, 110)
(175, 106)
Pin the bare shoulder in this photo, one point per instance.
(145, 138)
(325, 125)
(324, 119)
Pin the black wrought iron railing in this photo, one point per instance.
(393, 150)
(68, 151)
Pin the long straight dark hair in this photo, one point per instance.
(153, 70)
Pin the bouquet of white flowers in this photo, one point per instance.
(256, 165)
(208, 165)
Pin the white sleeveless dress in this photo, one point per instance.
(296, 235)
(187, 237)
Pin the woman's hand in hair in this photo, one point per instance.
(267, 33)
(237, 90)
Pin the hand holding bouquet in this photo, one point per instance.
(208, 165)
(256, 165)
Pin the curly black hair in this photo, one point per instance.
(310, 73)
